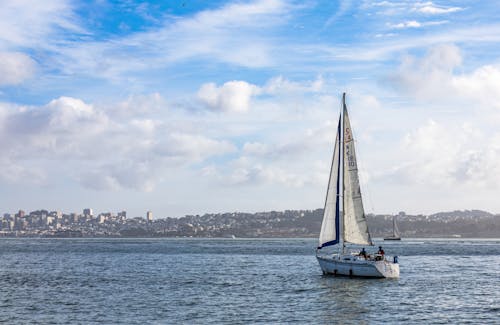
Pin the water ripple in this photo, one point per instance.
(136, 281)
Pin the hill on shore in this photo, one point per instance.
(307, 223)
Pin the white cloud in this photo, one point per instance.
(208, 34)
(388, 48)
(236, 96)
(139, 104)
(437, 150)
(290, 160)
(138, 143)
(344, 6)
(408, 24)
(434, 77)
(481, 85)
(15, 67)
(13, 171)
(400, 7)
(98, 149)
(416, 24)
(99, 180)
(446, 155)
(192, 148)
(279, 85)
(29, 23)
(138, 175)
(61, 45)
(256, 148)
(431, 9)
(71, 114)
(294, 146)
(66, 127)
(145, 126)
(232, 96)
(247, 172)
(421, 76)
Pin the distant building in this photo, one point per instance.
(88, 212)
(122, 214)
(56, 214)
(149, 216)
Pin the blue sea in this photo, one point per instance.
(232, 281)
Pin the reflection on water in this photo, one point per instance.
(342, 299)
(353, 300)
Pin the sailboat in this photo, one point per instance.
(348, 226)
(395, 231)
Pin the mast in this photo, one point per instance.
(343, 173)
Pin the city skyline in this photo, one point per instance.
(290, 223)
(192, 108)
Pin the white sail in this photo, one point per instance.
(355, 226)
(395, 230)
(329, 234)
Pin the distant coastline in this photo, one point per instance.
(273, 224)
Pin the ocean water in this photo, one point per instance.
(217, 281)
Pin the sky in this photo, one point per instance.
(193, 107)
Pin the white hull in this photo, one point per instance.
(352, 265)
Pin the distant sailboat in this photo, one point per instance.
(395, 231)
(343, 185)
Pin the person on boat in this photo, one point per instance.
(380, 251)
(363, 253)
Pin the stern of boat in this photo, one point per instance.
(388, 269)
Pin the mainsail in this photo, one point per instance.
(330, 226)
(395, 230)
(355, 228)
